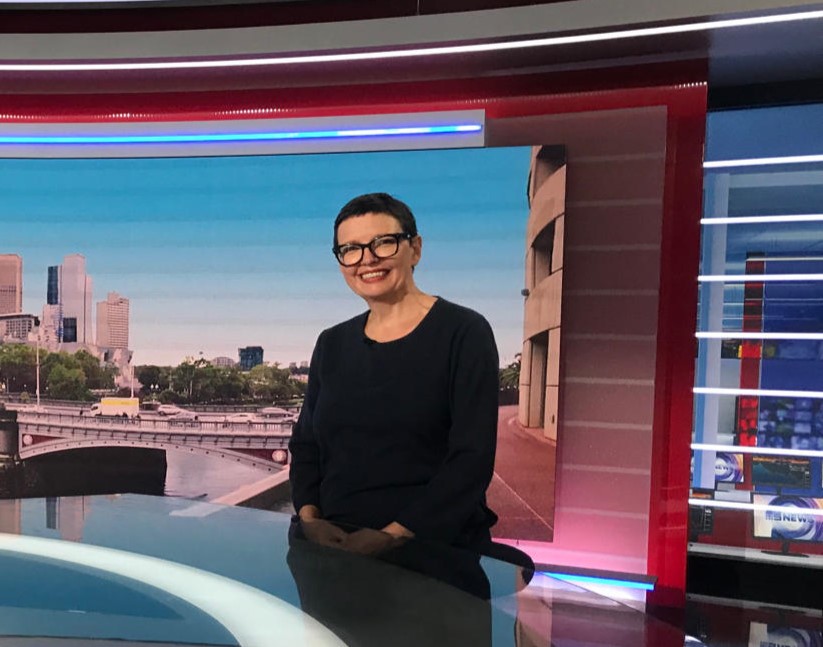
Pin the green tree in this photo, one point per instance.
(169, 397)
(182, 378)
(192, 379)
(270, 383)
(18, 367)
(151, 375)
(66, 383)
(510, 375)
(51, 360)
(231, 386)
(98, 376)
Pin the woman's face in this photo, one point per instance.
(373, 278)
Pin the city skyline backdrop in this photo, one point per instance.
(218, 253)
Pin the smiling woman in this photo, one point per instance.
(398, 430)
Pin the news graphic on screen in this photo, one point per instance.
(782, 471)
(728, 467)
(202, 283)
(773, 635)
(788, 518)
(790, 423)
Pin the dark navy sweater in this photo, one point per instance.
(404, 430)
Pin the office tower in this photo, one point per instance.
(73, 294)
(16, 327)
(113, 322)
(11, 283)
(223, 362)
(250, 356)
(51, 329)
(53, 285)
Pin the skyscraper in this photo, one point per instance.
(113, 322)
(250, 356)
(68, 301)
(11, 283)
(53, 286)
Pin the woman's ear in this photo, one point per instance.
(417, 249)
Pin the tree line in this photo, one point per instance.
(63, 376)
(81, 376)
(77, 376)
(199, 382)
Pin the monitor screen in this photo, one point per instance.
(205, 281)
(779, 635)
(782, 471)
(790, 423)
(788, 518)
(728, 468)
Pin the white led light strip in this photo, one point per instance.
(764, 161)
(762, 220)
(759, 451)
(252, 616)
(772, 393)
(760, 335)
(756, 278)
(442, 50)
(754, 507)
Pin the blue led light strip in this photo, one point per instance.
(603, 581)
(194, 138)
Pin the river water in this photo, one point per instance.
(204, 477)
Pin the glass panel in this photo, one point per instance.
(757, 488)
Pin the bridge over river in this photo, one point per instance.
(48, 430)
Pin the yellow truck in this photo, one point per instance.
(125, 407)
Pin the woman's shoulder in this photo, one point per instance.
(460, 314)
(343, 329)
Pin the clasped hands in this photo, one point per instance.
(365, 541)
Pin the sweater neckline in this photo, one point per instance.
(413, 331)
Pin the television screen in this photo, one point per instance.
(788, 518)
(782, 471)
(728, 468)
(796, 349)
(774, 635)
(203, 282)
(790, 423)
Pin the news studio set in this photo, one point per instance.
(627, 198)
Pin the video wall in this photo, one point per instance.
(217, 275)
(760, 361)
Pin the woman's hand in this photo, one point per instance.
(322, 532)
(369, 542)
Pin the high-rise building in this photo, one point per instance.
(250, 356)
(53, 286)
(16, 327)
(223, 362)
(69, 289)
(51, 325)
(113, 322)
(11, 284)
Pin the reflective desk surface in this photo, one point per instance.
(132, 570)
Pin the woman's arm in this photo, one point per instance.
(459, 487)
(304, 471)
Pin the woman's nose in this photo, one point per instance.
(369, 257)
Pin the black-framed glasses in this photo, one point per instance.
(384, 246)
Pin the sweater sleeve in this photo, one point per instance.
(304, 471)
(458, 488)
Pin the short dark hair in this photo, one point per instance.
(378, 203)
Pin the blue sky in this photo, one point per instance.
(218, 253)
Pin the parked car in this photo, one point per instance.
(242, 417)
(277, 414)
(170, 410)
(183, 414)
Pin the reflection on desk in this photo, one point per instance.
(413, 594)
